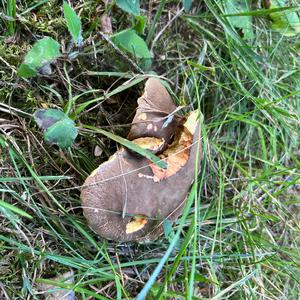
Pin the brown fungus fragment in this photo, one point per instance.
(153, 107)
(131, 184)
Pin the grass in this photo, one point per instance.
(238, 237)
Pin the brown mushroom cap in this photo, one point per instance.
(132, 184)
(153, 107)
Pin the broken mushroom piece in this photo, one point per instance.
(154, 107)
(146, 195)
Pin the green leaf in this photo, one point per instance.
(59, 128)
(167, 226)
(130, 6)
(139, 27)
(26, 71)
(73, 23)
(47, 117)
(43, 52)
(14, 209)
(62, 133)
(129, 41)
(187, 4)
(287, 22)
(242, 22)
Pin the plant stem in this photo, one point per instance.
(157, 16)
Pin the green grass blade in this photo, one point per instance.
(15, 209)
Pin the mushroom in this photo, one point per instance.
(153, 108)
(127, 198)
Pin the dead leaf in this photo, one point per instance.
(106, 24)
(56, 293)
(98, 151)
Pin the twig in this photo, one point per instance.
(167, 25)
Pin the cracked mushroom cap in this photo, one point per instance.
(127, 197)
(153, 108)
